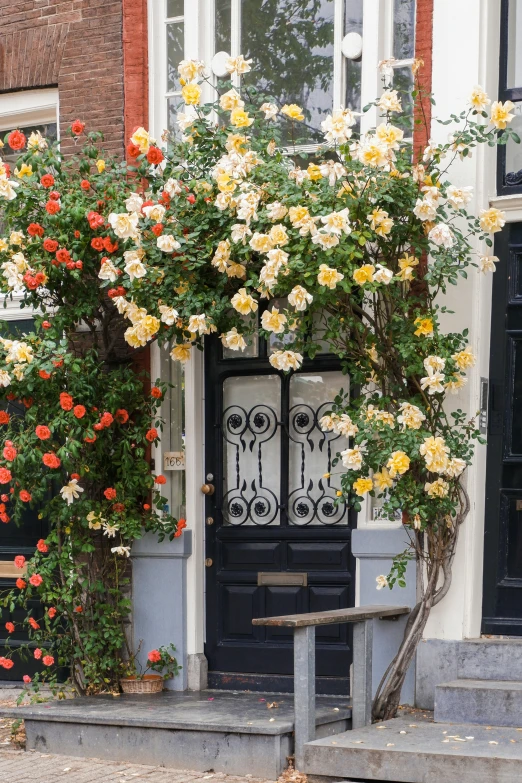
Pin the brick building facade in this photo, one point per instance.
(93, 51)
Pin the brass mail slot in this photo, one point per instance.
(519, 505)
(282, 579)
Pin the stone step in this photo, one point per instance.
(227, 732)
(480, 702)
(414, 751)
(490, 659)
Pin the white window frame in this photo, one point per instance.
(30, 107)
(19, 110)
(198, 18)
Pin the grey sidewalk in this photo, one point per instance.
(17, 766)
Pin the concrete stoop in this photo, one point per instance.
(413, 751)
(487, 688)
(207, 731)
(482, 702)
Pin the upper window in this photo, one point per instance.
(320, 54)
(296, 49)
(509, 175)
(175, 40)
(28, 111)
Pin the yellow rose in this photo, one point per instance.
(479, 99)
(500, 114)
(141, 139)
(24, 171)
(231, 100)
(464, 359)
(492, 220)
(314, 172)
(273, 321)
(298, 215)
(329, 277)
(225, 183)
(236, 143)
(293, 111)
(243, 302)
(240, 118)
(398, 463)
(278, 235)
(382, 479)
(100, 165)
(364, 274)
(362, 485)
(181, 352)
(424, 327)
(191, 94)
(149, 326)
(437, 489)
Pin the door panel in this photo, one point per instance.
(18, 540)
(273, 511)
(502, 611)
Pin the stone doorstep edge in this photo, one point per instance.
(286, 727)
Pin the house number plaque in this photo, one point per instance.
(174, 460)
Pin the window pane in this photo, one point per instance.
(291, 45)
(279, 342)
(404, 29)
(514, 152)
(48, 131)
(251, 450)
(353, 23)
(222, 22)
(403, 83)
(312, 498)
(175, 8)
(175, 46)
(514, 33)
(177, 436)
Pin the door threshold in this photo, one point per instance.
(275, 683)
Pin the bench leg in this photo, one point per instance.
(304, 690)
(362, 674)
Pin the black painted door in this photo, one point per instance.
(18, 540)
(277, 542)
(502, 605)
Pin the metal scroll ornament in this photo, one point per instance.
(249, 501)
(314, 500)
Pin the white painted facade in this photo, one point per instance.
(465, 53)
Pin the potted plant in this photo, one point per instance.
(138, 680)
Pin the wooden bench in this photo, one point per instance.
(304, 663)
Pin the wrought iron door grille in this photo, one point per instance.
(301, 492)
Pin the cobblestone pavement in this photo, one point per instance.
(18, 766)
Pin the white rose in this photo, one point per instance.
(133, 203)
(167, 243)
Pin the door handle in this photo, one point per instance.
(208, 489)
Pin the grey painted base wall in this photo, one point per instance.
(159, 599)
(375, 549)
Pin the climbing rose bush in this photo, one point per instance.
(77, 418)
(222, 231)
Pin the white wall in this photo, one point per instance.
(466, 53)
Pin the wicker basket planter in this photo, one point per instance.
(150, 683)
